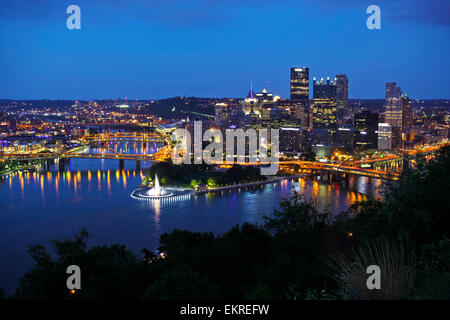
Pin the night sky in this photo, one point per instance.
(157, 49)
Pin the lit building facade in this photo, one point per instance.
(393, 105)
(259, 105)
(384, 136)
(300, 93)
(288, 106)
(324, 105)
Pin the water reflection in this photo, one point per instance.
(75, 182)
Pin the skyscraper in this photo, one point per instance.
(393, 105)
(300, 93)
(341, 96)
(384, 136)
(365, 130)
(324, 104)
(407, 113)
(344, 137)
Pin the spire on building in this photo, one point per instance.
(251, 94)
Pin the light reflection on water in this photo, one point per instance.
(94, 193)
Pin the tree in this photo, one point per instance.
(194, 183)
(212, 182)
(107, 272)
(261, 292)
(415, 207)
(303, 238)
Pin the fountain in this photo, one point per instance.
(156, 191)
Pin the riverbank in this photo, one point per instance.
(249, 184)
(5, 174)
(28, 167)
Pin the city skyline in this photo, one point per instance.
(130, 50)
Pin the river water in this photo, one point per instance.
(95, 194)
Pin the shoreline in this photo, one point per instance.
(219, 189)
(26, 168)
(250, 184)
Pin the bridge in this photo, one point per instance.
(163, 154)
(320, 168)
(134, 136)
(339, 170)
(387, 167)
(397, 160)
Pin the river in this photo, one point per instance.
(95, 194)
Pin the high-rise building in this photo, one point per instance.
(223, 113)
(259, 105)
(288, 106)
(365, 130)
(341, 96)
(407, 113)
(396, 137)
(324, 104)
(393, 105)
(344, 137)
(290, 140)
(300, 92)
(384, 136)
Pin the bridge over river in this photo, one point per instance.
(387, 167)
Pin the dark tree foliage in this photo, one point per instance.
(181, 284)
(107, 272)
(302, 238)
(415, 207)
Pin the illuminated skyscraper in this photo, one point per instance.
(300, 93)
(259, 105)
(341, 96)
(324, 104)
(384, 136)
(393, 105)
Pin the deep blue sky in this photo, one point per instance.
(213, 48)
